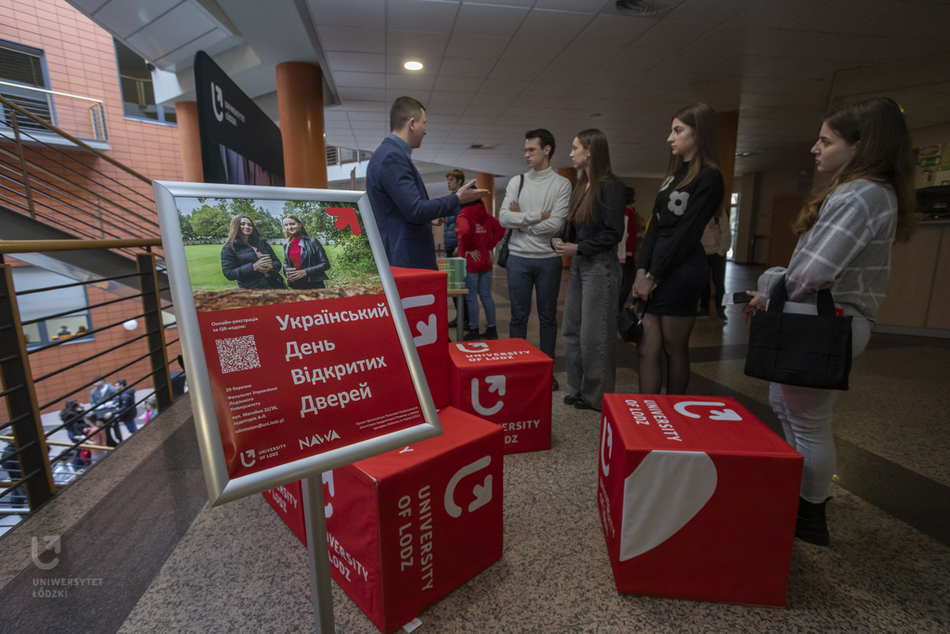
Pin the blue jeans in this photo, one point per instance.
(543, 275)
(479, 285)
(590, 326)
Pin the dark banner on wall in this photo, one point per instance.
(240, 145)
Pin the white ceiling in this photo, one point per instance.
(494, 69)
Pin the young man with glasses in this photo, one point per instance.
(534, 209)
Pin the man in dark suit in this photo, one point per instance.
(402, 208)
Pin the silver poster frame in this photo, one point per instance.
(222, 488)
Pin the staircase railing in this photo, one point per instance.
(39, 465)
(69, 184)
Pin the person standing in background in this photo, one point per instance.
(534, 208)
(628, 246)
(454, 181)
(478, 234)
(127, 411)
(101, 395)
(400, 203)
(717, 238)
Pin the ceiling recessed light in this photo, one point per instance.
(413, 65)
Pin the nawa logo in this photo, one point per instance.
(318, 439)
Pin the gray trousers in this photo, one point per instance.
(589, 326)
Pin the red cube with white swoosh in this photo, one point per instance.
(507, 382)
(425, 297)
(697, 499)
(408, 527)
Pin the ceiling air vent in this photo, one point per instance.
(646, 7)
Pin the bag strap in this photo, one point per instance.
(826, 302)
(507, 238)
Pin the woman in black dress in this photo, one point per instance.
(590, 235)
(305, 261)
(673, 269)
(247, 258)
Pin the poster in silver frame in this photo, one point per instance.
(218, 447)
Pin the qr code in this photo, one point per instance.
(239, 353)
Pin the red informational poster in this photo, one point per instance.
(508, 382)
(293, 380)
(697, 499)
(298, 353)
(424, 298)
(408, 527)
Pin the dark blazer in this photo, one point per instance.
(402, 207)
(237, 264)
(606, 230)
(313, 259)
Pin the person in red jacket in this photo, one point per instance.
(478, 233)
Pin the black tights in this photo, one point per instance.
(665, 334)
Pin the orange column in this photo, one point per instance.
(300, 109)
(186, 114)
(487, 181)
(570, 174)
(728, 124)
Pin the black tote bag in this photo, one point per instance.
(803, 350)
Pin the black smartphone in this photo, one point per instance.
(741, 298)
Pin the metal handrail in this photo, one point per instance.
(36, 246)
(71, 138)
(51, 92)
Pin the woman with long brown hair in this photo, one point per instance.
(846, 232)
(672, 269)
(248, 259)
(305, 262)
(589, 236)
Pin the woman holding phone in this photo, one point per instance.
(846, 232)
(305, 261)
(247, 258)
(590, 234)
(672, 269)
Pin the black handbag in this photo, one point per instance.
(503, 253)
(803, 350)
(630, 324)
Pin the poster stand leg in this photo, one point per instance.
(316, 524)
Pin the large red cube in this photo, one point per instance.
(287, 500)
(508, 382)
(424, 295)
(408, 527)
(697, 498)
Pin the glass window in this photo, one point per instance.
(22, 70)
(135, 79)
(72, 326)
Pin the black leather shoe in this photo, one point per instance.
(570, 400)
(581, 404)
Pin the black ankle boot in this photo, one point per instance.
(812, 526)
